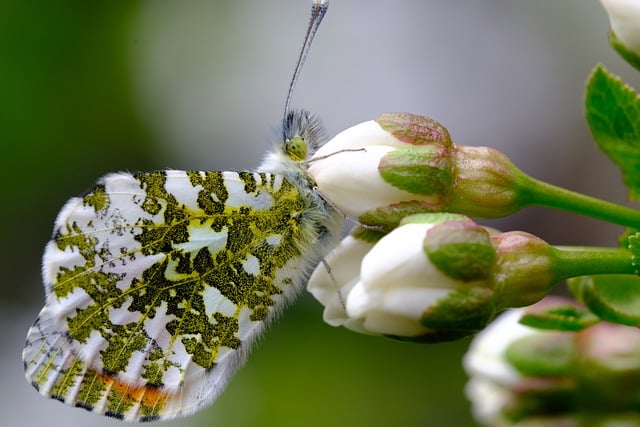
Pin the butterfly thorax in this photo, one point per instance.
(300, 137)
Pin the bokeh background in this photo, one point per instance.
(92, 87)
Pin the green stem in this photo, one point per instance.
(584, 261)
(536, 192)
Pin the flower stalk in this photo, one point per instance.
(586, 261)
(535, 192)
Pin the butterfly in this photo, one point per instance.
(157, 283)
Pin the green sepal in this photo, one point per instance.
(550, 354)
(612, 297)
(369, 235)
(560, 317)
(613, 113)
(387, 218)
(464, 311)
(414, 129)
(628, 55)
(460, 249)
(435, 336)
(422, 170)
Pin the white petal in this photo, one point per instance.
(360, 301)
(488, 399)
(364, 134)
(398, 260)
(357, 325)
(394, 312)
(485, 357)
(624, 16)
(352, 181)
(344, 262)
(382, 322)
(412, 302)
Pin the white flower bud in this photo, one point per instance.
(351, 180)
(395, 288)
(397, 284)
(389, 167)
(492, 378)
(624, 16)
(520, 375)
(402, 164)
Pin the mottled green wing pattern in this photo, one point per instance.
(156, 284)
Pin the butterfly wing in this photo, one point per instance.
(157, 283)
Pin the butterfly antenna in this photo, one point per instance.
(318, 10)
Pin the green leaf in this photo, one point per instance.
(613, 112)
(630, 56)
(612, 297)
(560, 317)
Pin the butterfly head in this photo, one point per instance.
(302, 135)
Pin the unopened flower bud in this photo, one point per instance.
(389, 167)
(401, 292)
(624, 16)
(525, 376)
(436, 277)
(525, 269)
(401, 164)
(487, 184)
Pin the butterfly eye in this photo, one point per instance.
(296, 148)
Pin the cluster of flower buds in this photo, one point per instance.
(417, 268)
(533, 377)
(411, 271)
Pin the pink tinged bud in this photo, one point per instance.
(486, 185)
(401, 164)
(524, 272)
(613, 348)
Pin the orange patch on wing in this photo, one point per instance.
(147, 395)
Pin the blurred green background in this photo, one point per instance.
(92, 87)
